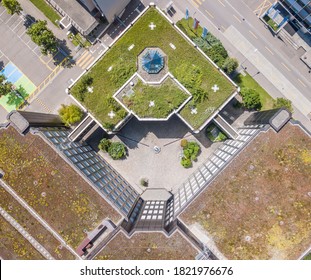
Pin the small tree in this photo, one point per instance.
(12, 6)
(230, 65)
(186, 162)
(43, 37)
(117, 150)
(5, 86)
(251, 98)
(104, 144)
(70, 114)
(283, 102)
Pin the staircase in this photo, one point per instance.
(287, 39)
(212, 167)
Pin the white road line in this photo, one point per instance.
(237, 18)
(302, 83)
(285, 67)
(209, 13)
(222, 3)
(252, 34)
(269, 50)
(16, 26)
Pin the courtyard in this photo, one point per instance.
(209, 88)
(163, 169)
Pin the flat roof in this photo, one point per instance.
(77, 13)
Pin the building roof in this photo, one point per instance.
(77, 13)
(111, 8)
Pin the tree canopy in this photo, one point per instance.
(12, 6)
(43, 37)
(251, 98)
(70, 114)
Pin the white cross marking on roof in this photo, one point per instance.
(151, 104)
(152, 26)
(215, 88)
(111, 115)
(194, 111)
(90, 89)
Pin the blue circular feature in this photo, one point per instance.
(152, 62)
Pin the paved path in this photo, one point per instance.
(37, 217)
(26, 235)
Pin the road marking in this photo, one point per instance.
(198, 2)
(195, 4)
(86, 58)
(87, 62)
(209, 13)
(17, 25)
(253, 34)
(269, 50)
(222, 3)
(286, 67)
(302, 83)
(84, 54)
(263, 6)
(237, 18)
(44, 105)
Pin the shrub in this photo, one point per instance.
(144, 182)
(183, 142)
(218, 54)
(104, 144)
(230, 65)
(70, 114)
(82, 86)
(117, 150)
(12, 6)
(214, 134)
(251, 98)
(283, 102)
(191, 150)
(186, 162)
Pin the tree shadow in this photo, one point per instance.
(17, 97)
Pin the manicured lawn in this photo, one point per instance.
(166, 97)
(47, 10)
(248, 82)
(259, 207)
(50, 186)
(119, 64)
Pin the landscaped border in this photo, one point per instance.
(121, 122)
(167, 75)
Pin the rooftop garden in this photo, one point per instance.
(148, 246)
(33, 227)
(187, 65)
(248, 212)
(51, 187)
(155, 101)
(14, 246)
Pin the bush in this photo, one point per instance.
(12, 6)
(117, 150)
(104, 144)
(230, 65)
(70, 114)
(191, 150)
(186, 162)
(82, 86)
(283, 102)
(251, 98)
(144, 182)
(218, 54)
(183, 142)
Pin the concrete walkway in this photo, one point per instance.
(26, 235)
(38, 217)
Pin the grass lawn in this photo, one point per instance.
(259, 207)
(49, 185)
(14, 246)
(121, 247)
(248, 82)
(121, 63)
(167, 97)
(307, 257)
(270, 22)
(47, 10)
(33, 227)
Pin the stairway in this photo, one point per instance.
(287, 39)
